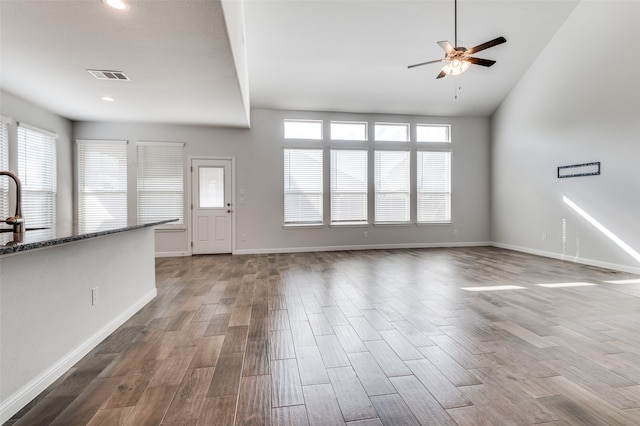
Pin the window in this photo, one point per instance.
(349, 131)
(160, 182)
(394, 132)
(102, 184)
(433, 133)
(303, 129)
(392, 186)
(348, 186)
(37, 172)
(303, 186)
(434, 187)
(4, 165)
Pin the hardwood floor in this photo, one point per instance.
(402, 337)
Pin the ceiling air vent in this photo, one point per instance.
(109, 75)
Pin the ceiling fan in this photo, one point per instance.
(459, 58)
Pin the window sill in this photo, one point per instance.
(303, 226)
(349, 225)
(393, 224)
(433, 223)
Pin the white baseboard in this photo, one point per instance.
(28, 392)
(360, 247)
(172, 253)
(574, 259)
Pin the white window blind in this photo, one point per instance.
(303, 186)
(4, 165)
(434, 187)
(348, 186)
(160, 182)
(37, 172)
(102, 184)
(392, 186)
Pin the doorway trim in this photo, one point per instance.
(233, 198)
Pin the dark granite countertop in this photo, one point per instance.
(50, 237)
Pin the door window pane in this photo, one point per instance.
(211, 187)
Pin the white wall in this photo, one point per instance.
(259, 163)
(578, 103)
(47, 319)
(19, 110)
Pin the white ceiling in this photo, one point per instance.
(319, 55)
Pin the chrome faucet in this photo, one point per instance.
(17, 221)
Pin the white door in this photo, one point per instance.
(211, 208)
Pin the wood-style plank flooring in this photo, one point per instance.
(365, 338)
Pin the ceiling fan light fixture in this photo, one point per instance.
(456, 67)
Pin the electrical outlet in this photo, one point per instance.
(243, 237)
(365, 234)
(455, 232)
(544, 237)
(94, 296)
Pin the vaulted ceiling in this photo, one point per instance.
(210, 61)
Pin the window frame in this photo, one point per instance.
(448, 184)
(408, 141)
(408, 192)
(334, 190)
(105, 149)
(343, 122)
(46, 162)
(300, 121)
(4, 165)
(182, 220)
(422, 125)
(390, 124)
(288, 191)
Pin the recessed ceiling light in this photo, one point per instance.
(117, 4)
(107, 99)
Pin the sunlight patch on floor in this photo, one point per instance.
(494, 288)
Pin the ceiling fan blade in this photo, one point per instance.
(488, 44)
(447, 46)
(480, 61)
(442, 74)
(425, 63)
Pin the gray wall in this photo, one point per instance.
(578, 103)
(259, 162)
(19, 110)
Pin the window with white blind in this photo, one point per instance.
(303, 186)
(160, 182)
(434, 187)
(37, 172)
(102, 184)
(4, 165)
(392, 186)
(348, 186)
